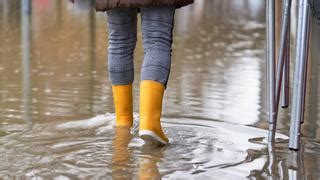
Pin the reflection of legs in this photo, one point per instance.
(121, 156)
(122, 40)
(148, 168)
(157, 25)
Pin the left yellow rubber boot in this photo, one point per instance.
(151, 95)
(122, 97)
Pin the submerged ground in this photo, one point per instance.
(56, 110)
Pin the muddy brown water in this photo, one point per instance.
(56, 110)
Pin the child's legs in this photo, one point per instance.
(157, 26)
(122, 25)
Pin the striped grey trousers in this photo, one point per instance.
(157, 26)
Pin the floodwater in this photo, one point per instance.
(56, 110)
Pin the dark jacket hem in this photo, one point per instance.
(104, 5)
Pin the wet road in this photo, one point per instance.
(56, 110)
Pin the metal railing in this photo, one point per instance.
(278, 75)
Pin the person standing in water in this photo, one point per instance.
(157, 21)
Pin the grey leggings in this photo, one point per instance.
(157, 25)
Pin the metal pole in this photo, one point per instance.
(299, 74)
(26, 48)
(270, 14)
(283, 49)
(305, 72)
(286, 72)
(274, 92)
(26, 7)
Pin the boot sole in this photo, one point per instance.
(151, 138)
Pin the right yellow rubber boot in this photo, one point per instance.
(122, 97)
(151, 95)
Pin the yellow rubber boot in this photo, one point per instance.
(151, 95)
(122, 97)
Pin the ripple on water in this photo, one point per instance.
(93, 147)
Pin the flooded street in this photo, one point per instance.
(56, 106)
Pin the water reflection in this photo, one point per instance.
(123, 161)
(121, 154)
(229, 62)
(148, 168)
(311, 127)
(53, 73)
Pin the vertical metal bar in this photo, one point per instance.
(274, 92)
(286, 72)
(270, 14)
(305, 72)
(26, 48)
(299, 74)
(283, 49)
(26, 7)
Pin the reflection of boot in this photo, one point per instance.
(122, 96)
(121, 155)
(148, 169)
(151, 94)
(151, 156)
